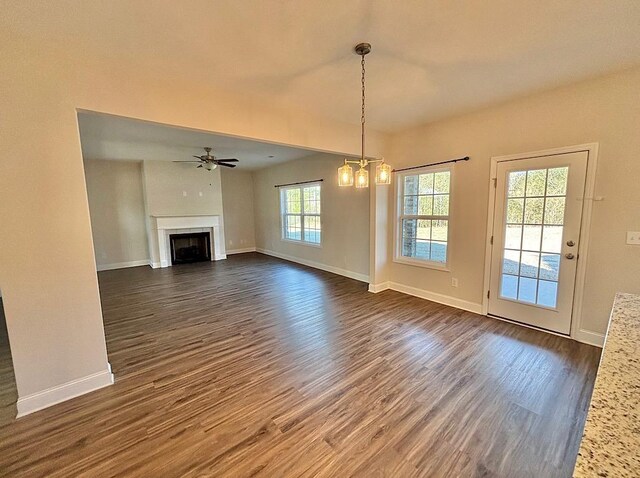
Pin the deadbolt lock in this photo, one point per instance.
(569, 256)
(570, 243)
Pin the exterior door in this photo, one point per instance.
(536, 234)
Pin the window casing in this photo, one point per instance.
(422, 220)
(300, 213)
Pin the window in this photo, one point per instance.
(300, 209)
(423, 217)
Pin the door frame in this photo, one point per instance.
(577, 333)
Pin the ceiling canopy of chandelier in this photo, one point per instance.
(383, 170)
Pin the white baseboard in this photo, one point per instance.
(122, 265)
(154, 265)
(375, 288)
(241, 251)
(435, 297)
(589, 337)
(316, 265)
(219, 257)
(66, 391)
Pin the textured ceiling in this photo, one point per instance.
(430, 59)
(116, 138)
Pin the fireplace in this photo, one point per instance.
(190, 247)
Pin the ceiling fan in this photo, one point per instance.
(210, 162)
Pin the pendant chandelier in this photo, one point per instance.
(383, 170)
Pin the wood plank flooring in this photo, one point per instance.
(255, 366)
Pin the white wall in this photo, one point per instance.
(50, 289)
(237, 200)
(345, 216)
(116, 204)
(604, 110)
(175, 189)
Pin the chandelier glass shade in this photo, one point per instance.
(362, 178)
(345, 175)
(383, 170)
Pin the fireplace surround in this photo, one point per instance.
(162, 227)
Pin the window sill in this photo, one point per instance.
(302, 243)
(424, 264)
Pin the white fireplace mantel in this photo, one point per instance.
(165, 225)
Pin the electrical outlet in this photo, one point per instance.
(184, 194)
(454, 282)
(200, 193)
(633, 237)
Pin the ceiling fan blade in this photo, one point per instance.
(187, 161)
(227, 165)
(232, 160)
(200, 158)
(199, 165)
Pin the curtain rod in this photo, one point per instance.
(466, 158)
(300, 182)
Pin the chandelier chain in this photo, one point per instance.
(362, 118)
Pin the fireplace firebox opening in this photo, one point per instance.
(191, 247)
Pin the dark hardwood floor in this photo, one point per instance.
(255, 366)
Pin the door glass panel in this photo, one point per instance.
(535, 207)
(531, 238)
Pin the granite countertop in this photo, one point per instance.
(611, 442)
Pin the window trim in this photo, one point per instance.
(399, 204)
(282, 191)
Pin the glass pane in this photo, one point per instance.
(536, 182)
(511, 262)
(425, 205)
(426, 184)
(509, 287)
(514, 211)
(527, 290)
(516, 183)
(547, 293)
(293, 228)
(293, 201)
(552, 239)
(411, 184)
(312, 229)
(557, 181)
(411, 205)
(529, 265)
(533, 210)
(554, 210)
(424, 229)
(439, 251)
(409, 232)
(533, 235)
(422, 250)
(531, 238)
(513, 237)
(441, 182)
(441, 205)
(549, 266)
(311, 196)
(439, 231)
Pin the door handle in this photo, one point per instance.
(569, 256)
